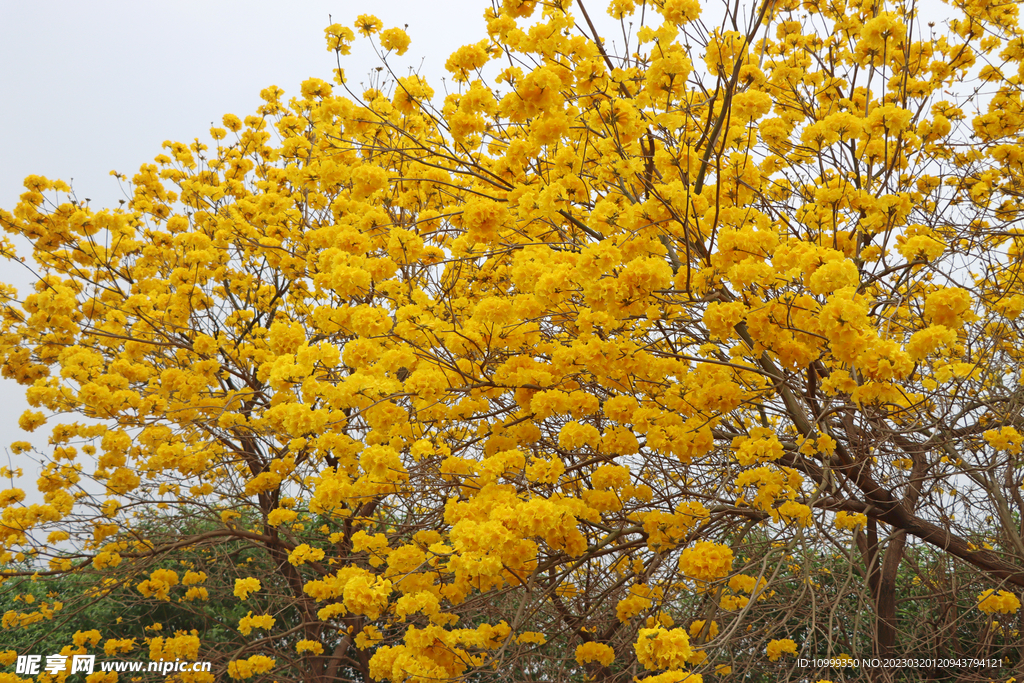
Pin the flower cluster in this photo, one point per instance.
(1003, 602)
(776, 648)
(706, 561)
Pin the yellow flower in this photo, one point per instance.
(159, 583)
(247, 668)
(1003, 602)
(706, 561)
(30, 420)
(339, 39)
(467, 58)
(948, 306)
(280, 516)
(776, 648)
(698, 627)
(192, 578)
(658, 648)
(86, 637)
(197, 593)
(595, 652)
(1006, 439)
(751, 105)
(847, 520)
(369, 636)
(304, 553)
(367, 24)
(247, 623)
(243, 587)
(395, 39)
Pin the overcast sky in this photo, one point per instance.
(90, 87)
(93, 86)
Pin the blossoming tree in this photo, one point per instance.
(674, 361)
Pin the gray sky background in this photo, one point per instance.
(89, 87)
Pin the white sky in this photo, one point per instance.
(89, 87)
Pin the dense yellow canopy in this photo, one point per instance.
(585, 368)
